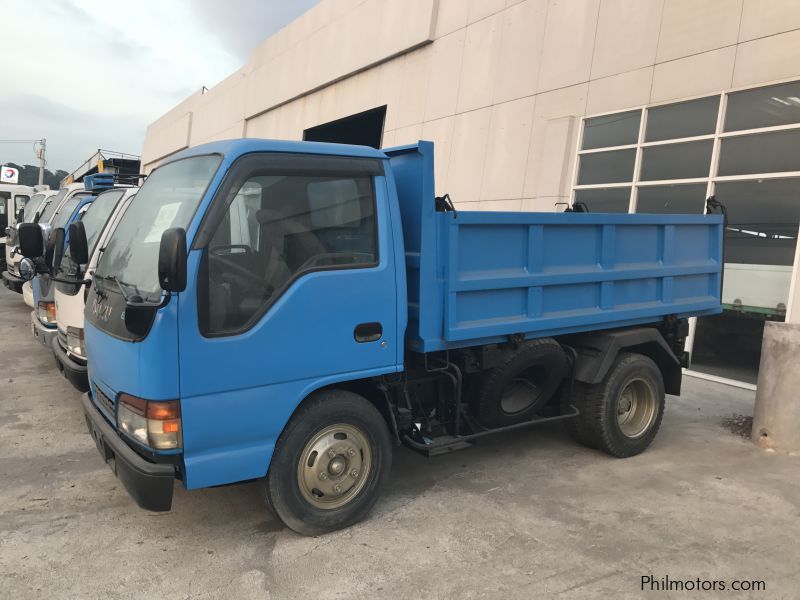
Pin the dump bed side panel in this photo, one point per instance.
(542, 274)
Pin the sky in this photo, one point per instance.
(89, 74)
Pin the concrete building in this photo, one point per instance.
(625, 105)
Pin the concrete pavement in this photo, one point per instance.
(530, 515)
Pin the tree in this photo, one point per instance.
(29, 175)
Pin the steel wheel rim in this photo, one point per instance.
(636, 408)
(334, 466)
(519, 396)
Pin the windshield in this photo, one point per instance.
(51, 208)
(168, 198)
(63, 214)
(94, 219)
(32, 206)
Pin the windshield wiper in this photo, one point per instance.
(135, 299)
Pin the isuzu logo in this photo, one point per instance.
(101, 311)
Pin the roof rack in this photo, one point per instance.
(99, 182)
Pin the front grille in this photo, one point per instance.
(62, 339)
(104, 402)
(12, 268)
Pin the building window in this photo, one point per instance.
(740, 146)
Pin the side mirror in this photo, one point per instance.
(78, 245)
(172, 260)
(27, 270)
(31, 242)
(58, 248)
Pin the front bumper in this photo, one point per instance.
(75, 372)
(41, 332)
(149, 484)
(13, 282)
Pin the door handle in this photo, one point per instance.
(368, 332)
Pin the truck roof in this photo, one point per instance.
(232, 148)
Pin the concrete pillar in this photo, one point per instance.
(776, 419)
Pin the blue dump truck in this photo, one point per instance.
(289, 311)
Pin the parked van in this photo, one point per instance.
(43, 317)
(74, 275)
(15, 279)
(32, 211)
(13, 199)
(288, 311)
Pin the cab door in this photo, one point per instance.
(291, 287)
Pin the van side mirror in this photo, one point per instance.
(27, 269)
(172, 260)
(78, 245)
(58, 248)
(31, 240)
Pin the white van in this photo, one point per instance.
(13, 199)
(99, 222)
(11, 278)
(31, 212)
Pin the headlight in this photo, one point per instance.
(151, 423)
(75, 341)
(47, 312)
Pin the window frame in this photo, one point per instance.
(719, 134)
(710, 180)
(236, 176)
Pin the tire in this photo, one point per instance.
(301, 485)
(620, 415)
(514, 391)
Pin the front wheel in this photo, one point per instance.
(620, 415)
(329, 463)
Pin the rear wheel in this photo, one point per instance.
(329, 463)
(620, 415)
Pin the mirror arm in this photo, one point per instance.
(86, 282)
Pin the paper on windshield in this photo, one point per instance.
(164, 218)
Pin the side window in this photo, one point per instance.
(275, 229)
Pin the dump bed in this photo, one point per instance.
(477, 277)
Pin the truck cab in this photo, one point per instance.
(12, 204)
(31, 213)
(43, 316)
(74, 275)
(287, 311)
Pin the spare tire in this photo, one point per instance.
(526, 380)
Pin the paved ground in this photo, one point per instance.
(532, 515)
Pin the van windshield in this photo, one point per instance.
(63, 214)
(169, 198)
(32, 206)
(97, 214)
(51, 208)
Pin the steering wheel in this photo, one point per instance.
(317, 258)
(223, 254)
(227, 250)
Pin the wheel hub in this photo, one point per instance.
(636, 408)
(334, 466)
(519, 396)
(337, 466)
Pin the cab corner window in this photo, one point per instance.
(275, 229)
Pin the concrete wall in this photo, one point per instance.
(498, 85)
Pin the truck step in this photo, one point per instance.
(446, 444)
